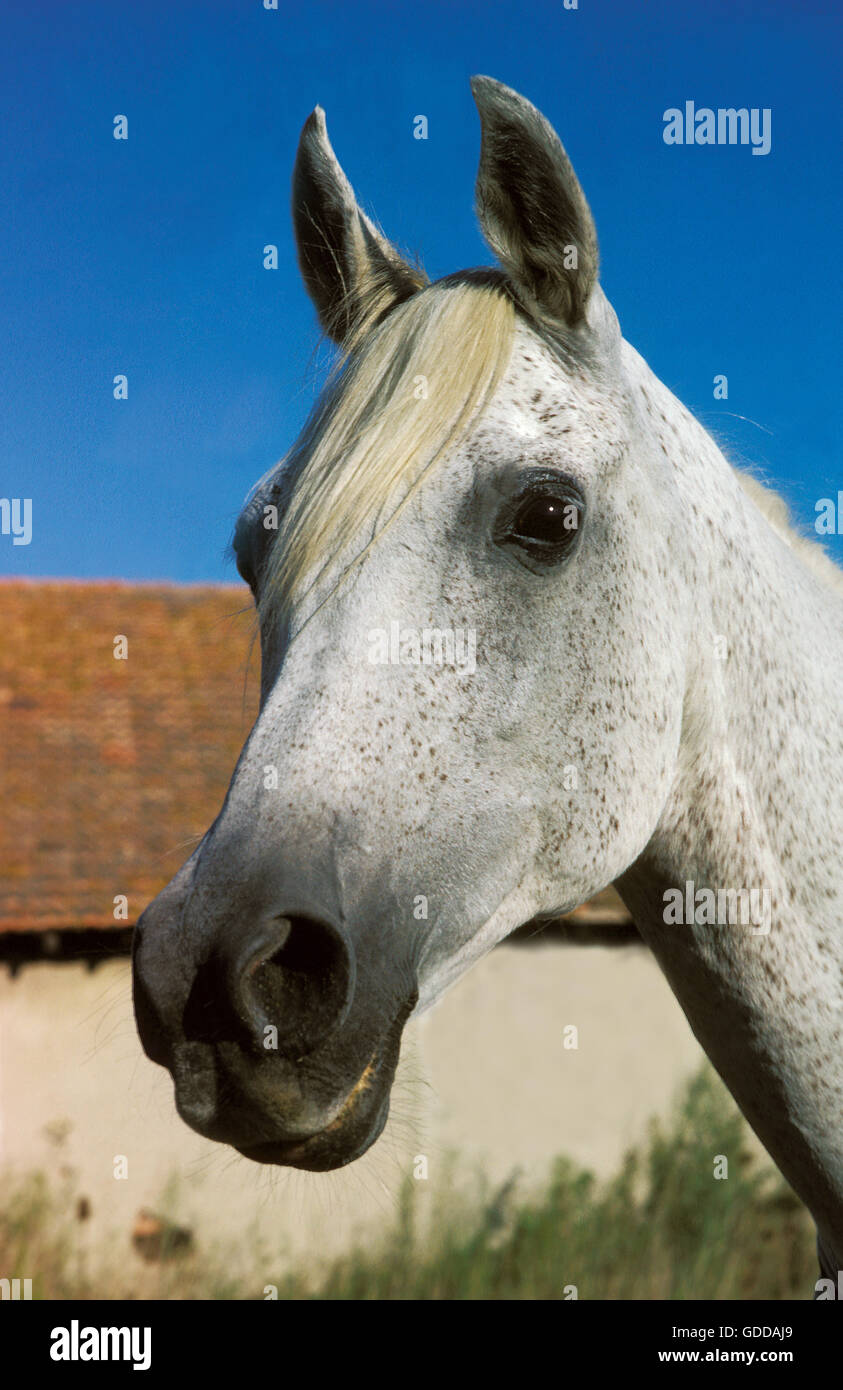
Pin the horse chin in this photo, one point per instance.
(360, 1121)
(334, 1147)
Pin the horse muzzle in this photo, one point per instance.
(267, 1040)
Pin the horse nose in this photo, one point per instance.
(288, 983)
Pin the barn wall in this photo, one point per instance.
(502, 1090)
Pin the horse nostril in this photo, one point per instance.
(294, 984)
(305, 947)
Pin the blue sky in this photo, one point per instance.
(144, 256)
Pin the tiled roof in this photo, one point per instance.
(110, 770)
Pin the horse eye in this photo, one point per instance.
(542, 522)
(547, 521)
(245, 571)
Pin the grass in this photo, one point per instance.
(662, 1228)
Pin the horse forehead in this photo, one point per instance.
(532, 370)
(542, 397)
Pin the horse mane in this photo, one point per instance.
(775, 510)
(406, 392)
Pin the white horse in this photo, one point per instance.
(525, 633)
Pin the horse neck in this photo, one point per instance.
(762, 742)
(756, 804)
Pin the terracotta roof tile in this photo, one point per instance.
(109, 770)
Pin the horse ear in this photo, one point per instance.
(531, 208)
(352, 273)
